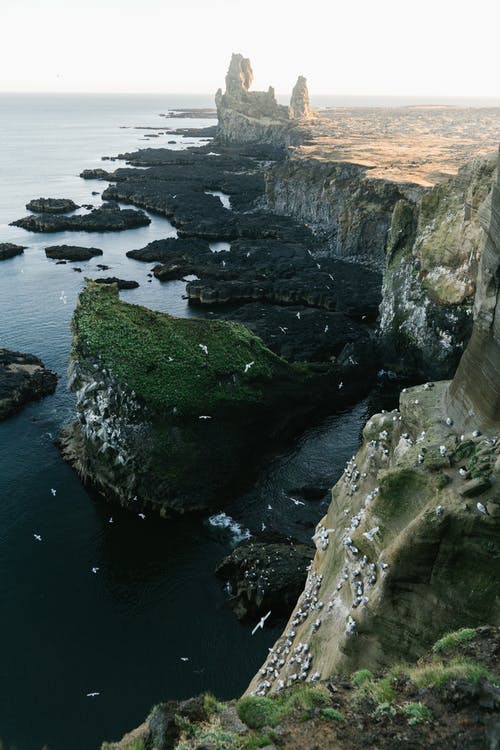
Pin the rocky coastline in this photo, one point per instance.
(23, 378)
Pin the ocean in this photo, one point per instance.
(121, 632)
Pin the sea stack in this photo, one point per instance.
(299, 103)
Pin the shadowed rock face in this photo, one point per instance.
(474, 394)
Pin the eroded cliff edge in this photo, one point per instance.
(409, 547)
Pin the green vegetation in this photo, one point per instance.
(332, 713)
(451, 640)
(416, 713)
(162, 358)
(437, 673)
(361, 676)
(384, 709)
(258, 711)
(211, 704)
(378, 691)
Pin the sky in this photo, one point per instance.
(369, 47)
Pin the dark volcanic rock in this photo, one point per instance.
(166, 250)
(23, 378)
(71, 252)
(99, 220)
(265, 577)
(122, 283)
(51, 205)
(9, 250)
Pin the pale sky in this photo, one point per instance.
(400, 47)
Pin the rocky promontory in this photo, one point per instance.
(169, 410)
(109, 218)
(23, 378)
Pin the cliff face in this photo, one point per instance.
(429, 283)
(474, 395)
(352, 211)
(409, 547)
(255, 116)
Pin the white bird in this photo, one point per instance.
(204, 416)
(330, 275)
(442, 450)
(248, 366)
(203, 348)
(298, 315)
(184, 658)
(269, 506)
(37, 537)
(370, 535)
(53, 490)
(463, 472)
(326, 328)
(283, 330)
(141, 515)
(449, 421)
(94, 570)
(263, 527)
(482, 509)
(110, 520)
(261, 622)
(341, 385)
(170, 359)
(296, 502)
(318, 265)
(439, 510)
(92, 695)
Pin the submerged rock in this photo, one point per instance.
(99, 220)
(51, 205)
(23, 378)
(9, 250)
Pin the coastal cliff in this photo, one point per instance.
(170, 410)
(409, 545)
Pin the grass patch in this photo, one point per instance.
(378, 691)
(259, 711)
(416, 713)
(332, 713)
(361, 676)
(452, 640)
(211, 704)
(437, 673)
(161, 357)
(385, 709)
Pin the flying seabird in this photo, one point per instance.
(53, 491)
(326, 328)
(37, 537)
(184, 658)
(92, 695)
(94, 570)
(341, 385)
(296, 502)
(203, 348)
(261, 622)
(298, 315)
(204, 416)
(110, 519)
(482, 509)
(141, 515)
(283, 329)
(249, 365)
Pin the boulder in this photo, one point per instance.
(9, 250)
(23, 378)
(71, 252)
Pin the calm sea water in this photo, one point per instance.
(64, 631)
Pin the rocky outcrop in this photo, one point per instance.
(264, 576)
(256, 116)
(23, 378)
(71, 252)
(474, 395)
(51, 205)
(170, 409)
(120, 283)
(429, 283)
(351, 212)
(9, 250)
(402, 554)
(108, 218)
(299, 103)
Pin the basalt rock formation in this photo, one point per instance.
(108, 218)
(23, 378)
(433, 250)
(9, 250)
(169, 409)
(256, 115)
(409, 546)
(51, 205)
(71, 252)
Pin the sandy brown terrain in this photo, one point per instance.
(423, 145)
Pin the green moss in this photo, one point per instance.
(161, 357)
(451, 640)
(332, 713)
(402, 494)
(361, 676)
(378, 691)
(416, 713)
(385, 709)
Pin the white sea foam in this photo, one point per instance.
(223, 521)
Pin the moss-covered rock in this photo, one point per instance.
(170, 409)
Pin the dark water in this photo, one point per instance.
(65, 631)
